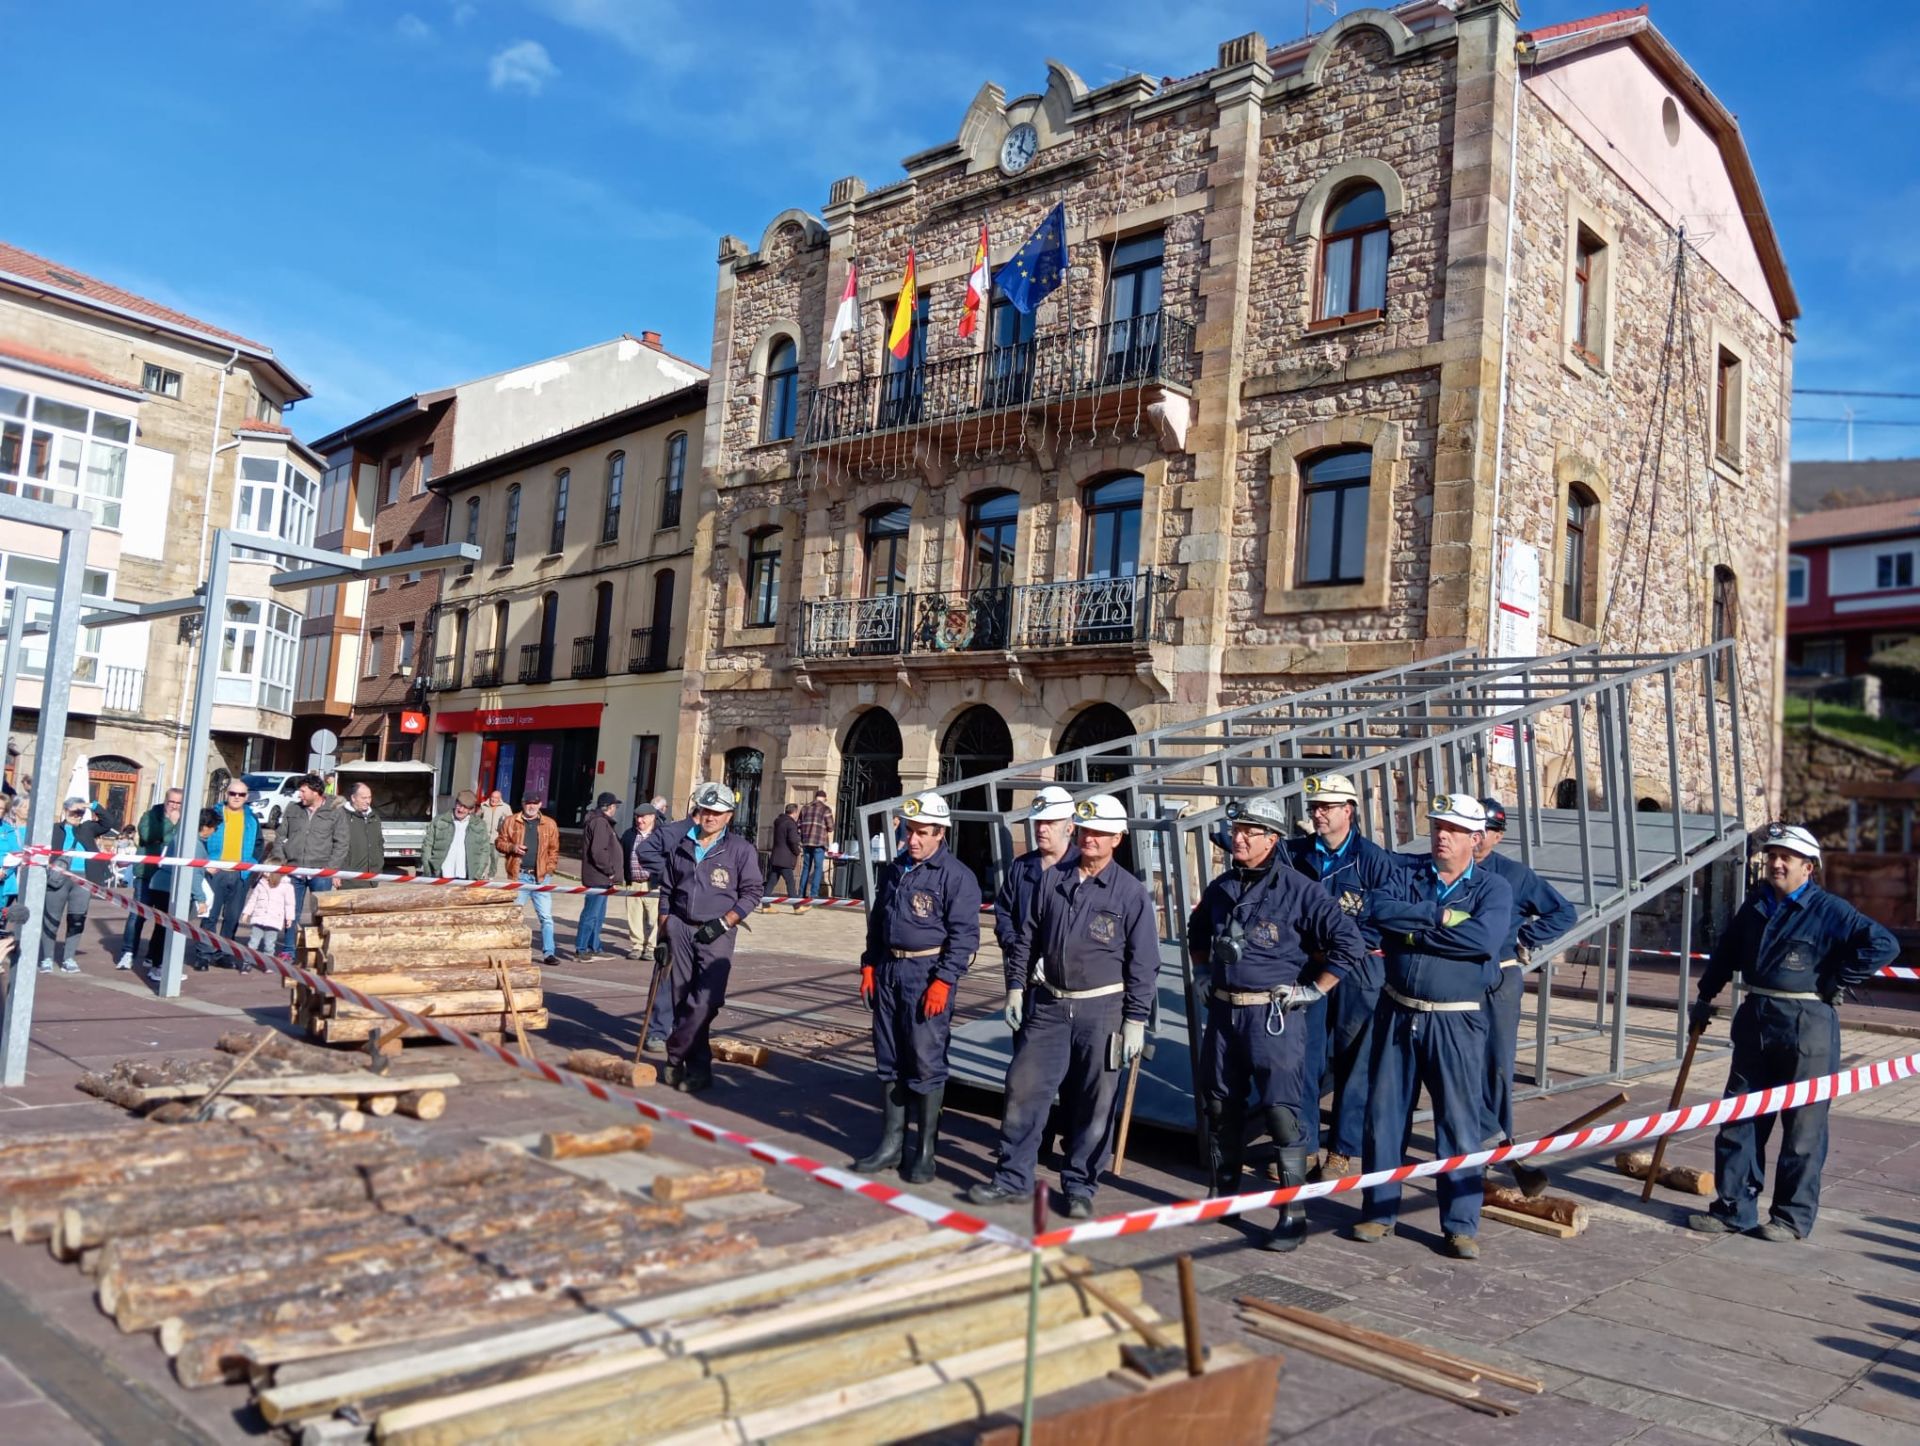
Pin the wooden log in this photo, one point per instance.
(1569, 1215)
(170, 1248)
(422, 1104)
(365, 951)
(433, 978)
(565, 1145)
(446, 1004)
(91, 1224)
(354, 1030)
(412, 1172)
(323, 1085)
(404, 898)
(611, 1068)
(1683, 1178)
(705, 1184)
(739, 1051)
(380, 1106)
(178, 1112)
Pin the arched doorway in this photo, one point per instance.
(869, 773)
(977, 742)
(744, 767)
(114, 784)
(1093, 725)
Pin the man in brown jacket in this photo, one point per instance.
(530, 843)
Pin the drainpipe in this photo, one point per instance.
(200, 570)
(1506, 363)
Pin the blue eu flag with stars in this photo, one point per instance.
(1037, 268)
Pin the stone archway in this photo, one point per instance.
(869, 773)
(977, 742)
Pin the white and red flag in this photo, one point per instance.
(979, 286)
(846, 320)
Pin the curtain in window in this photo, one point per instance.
(1373, 272)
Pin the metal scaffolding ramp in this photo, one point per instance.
(1625, 781)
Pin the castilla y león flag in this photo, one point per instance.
(977, 284)
(846, 320)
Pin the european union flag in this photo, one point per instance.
(1037, 268)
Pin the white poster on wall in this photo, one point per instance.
(1516, 625)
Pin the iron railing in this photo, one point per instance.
(536, 663)
(487, 667)
(647, 652)
(446, 673)
(125, 689)
(590, 656)
(1053, 366)
(670, 503)
(1082, 613)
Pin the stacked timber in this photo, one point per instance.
(454, 953)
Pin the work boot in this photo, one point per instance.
(1370, 1232)
(893, 1131)
(926, 1124)
(1463, 1247)
(1291, 1228)
(1707, 1223)
(995, 1194)
(1777, 1231)
(1337, 1167)
(1228, 1122)
(671, 1074)
(695, 1079)
(1079, 1207)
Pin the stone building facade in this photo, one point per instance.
(164, 427)
(1349, 324)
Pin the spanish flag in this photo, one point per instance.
(900, 336)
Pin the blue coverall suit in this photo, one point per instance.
(1541, 914)
(1281, 922)
(1340, 1026)
(1102, 952)
(924, 925)
(660, 1022)
(1794, 955)
(1432, 1028)
(696, 885)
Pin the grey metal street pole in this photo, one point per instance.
(10, 677)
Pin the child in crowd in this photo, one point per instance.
(202, 895)
(270, 911)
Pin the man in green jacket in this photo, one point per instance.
(366, 839)
(458, 845)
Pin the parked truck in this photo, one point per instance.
(403, 797)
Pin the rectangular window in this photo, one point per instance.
(562, 485)
(675, 481)
(1726, 407)
(448, 746)
(510, 541)
(473, 532)
(390, 494)
(415, 542)
(646, 766)
(1825, 658)
(57, 452)
(1333, 525)
(424, 473)
(1588, 317)
(403, 655)
(365, 495)
(1796, 581)
(1880, 642)
(160, 381)
(42, 572)
(374, 640)
(616, 485)
(1893, 570)
(258, 649)
(380, 583)
(763, 579)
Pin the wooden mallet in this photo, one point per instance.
(1532, 1179)
(1679, 1089)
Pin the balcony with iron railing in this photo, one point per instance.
(487, 667)
(123, 690)
(1097, 612)
(536, 663)
(647, 652)
(446, 675)
(590, 656)
(1098, 375)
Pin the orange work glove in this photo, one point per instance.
(934, 1001)
(866, 985)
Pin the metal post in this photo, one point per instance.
(1622, 971)
(76, 530)
(1686, 964)
(1675, 798)
(1581, 814)
(10, 679)
(199, 739)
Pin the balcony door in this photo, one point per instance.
(602, 627)
(877, 617)
(903, 378)
(549, 628)
(1010, 352)
(661, 638)
(1107, 597)
(1132, 341)
(993, 528)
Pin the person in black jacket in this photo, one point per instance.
(66, 900)
(784, 857)
(601, 867)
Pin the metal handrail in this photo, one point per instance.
(536, 663)
(125, 689)
(446, 672)
(1077, 613)
(644, 654)
(590, 656)
(487, 666)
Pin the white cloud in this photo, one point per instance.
(524, 65)
(412, 27)
(463, 12)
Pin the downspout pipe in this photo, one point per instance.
(1506, 360)
(200, 568)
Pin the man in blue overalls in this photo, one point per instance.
(1442, 926)
(1093, 926)
(1253, 933)
(922, 932)
(1541, 914)
(1348, 867)
(1797, 948)
(1051, 818)
(709, 880)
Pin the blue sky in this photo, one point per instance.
(400, 195)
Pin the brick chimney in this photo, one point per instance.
(652, 339)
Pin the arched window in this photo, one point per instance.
(993, 522)
(977, 742)
(782, 411)
(510, 543)
(674, 482)
(562, 485)
(1726, 604)
(473, 532)
(616, 487)
(1353, 253)
(763, 578)
(1333, 517)
(885, 541)
(1112, 541)
(1578, 602)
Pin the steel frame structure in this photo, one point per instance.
(1456, 723)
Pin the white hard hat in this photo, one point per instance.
(1792, 838)
(1462, 809)
(1331, 788)
(1260, 813)
(715, 797)
(1051, 803)
(926, 808)
(1103, 813)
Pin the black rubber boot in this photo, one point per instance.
(926, 1124)
(1291, 1228)
(1227, 1121)
(893, 1135)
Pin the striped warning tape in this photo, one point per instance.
(40, 853)
(837, 1179)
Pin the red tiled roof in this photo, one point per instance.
(42, 272)
(1590, 23)
(253, 424)
(53, 361)
(1873, 519)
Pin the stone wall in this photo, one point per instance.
(1818, 768)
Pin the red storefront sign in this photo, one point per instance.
(413, 722)
(520, 720)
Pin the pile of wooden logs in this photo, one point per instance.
(365, 1288)
(458, 954)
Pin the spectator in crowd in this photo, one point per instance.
(816, 832)
(313, 835)
(236, 839)
(530, 843)
(13, 838)
(493, 813)
(271, 913)
(786, 847)
(153, 836)
(366, 839)
(66, 899)
(602, 866)
(458, 845)
(643, 910)
(661, 807)
(202, 896)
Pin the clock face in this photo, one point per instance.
(1016, 151)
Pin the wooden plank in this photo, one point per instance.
(1228, 1406)
(1530, 1222)
(1388, 1368)
(705, 1184)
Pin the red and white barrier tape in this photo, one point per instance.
(38, 854)
(936, 1215)
(1647, 1127)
